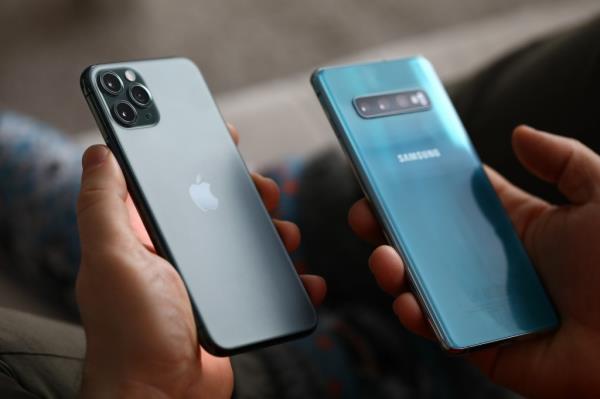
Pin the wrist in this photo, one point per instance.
(95, 384)
(113, 380)
(128, 389)
(107, 376)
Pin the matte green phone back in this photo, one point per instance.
(427, 185)
(204, 212)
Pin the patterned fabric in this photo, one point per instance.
(39, 181)
(358, 351)
(287, 175)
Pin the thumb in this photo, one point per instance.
(573, 167)
(101, 211)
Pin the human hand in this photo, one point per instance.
(562, 243)
(137, 316)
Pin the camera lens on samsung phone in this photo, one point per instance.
(125, 113)
(364, 106)
(111, 83)
(383, 104)
(140, 95)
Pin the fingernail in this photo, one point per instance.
(524, 126)
(94, 156)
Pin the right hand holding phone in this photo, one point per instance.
(564, 245)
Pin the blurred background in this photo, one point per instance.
(256, 56)
(236, 43)
(244, 47)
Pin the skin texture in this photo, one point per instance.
(141, 336)
(563, 243)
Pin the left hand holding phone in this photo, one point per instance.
(138, 320)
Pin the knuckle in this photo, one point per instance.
(110, 265)
(103, 255)
(88, 198)
(96, 197)
(576, 144)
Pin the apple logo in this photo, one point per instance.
(202, 196)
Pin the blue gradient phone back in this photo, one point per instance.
(438, 208)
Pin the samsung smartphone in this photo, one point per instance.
(198, 202)
(434, 201)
